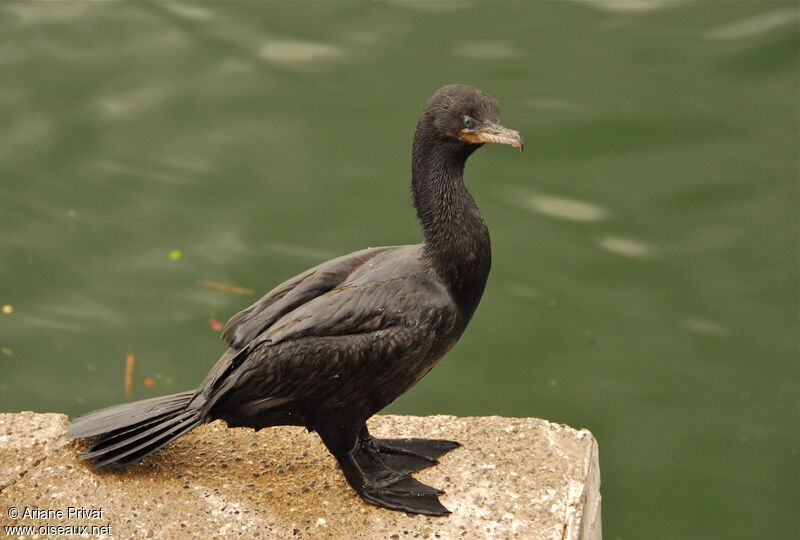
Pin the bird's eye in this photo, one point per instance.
(468, 122)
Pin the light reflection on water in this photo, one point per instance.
(644, 280)
(629, 6)
(571, 209)
(291, 52)
(628, 247)
(132, 102)
(486, 50)
(756, 25)
(703, 326)
(189, 11)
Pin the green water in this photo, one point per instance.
(645, 279)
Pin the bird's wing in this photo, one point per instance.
(374, 318)
(243, 327)
(358, 308)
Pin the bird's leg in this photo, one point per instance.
(375, 481)
(406, 455)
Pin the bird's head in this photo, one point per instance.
(465, 116)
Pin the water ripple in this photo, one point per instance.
(430, 7)
(754, 26)
(563, 208)
(292, 52)
(703, 326)
(627, 6)
(153, 173)
(486, 50)
(188, 11)
(132, 102)
(627, 247)
(36, 13)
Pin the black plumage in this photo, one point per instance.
(334, 345)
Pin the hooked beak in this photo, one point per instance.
(493, 133)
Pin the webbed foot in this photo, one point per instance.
(406, 494)
(379, 469)
(387, 464)
(409, 455)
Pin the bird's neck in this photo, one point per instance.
(456, 239)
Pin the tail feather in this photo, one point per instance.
(129, 432)
(145, 450)
(125, 415)
(117, 434)
(128, 452)
(108, 445)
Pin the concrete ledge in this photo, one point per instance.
(514, 478)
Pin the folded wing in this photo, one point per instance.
(243, 327)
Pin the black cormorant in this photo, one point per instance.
(334, 345)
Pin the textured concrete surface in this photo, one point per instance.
(514, 478)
